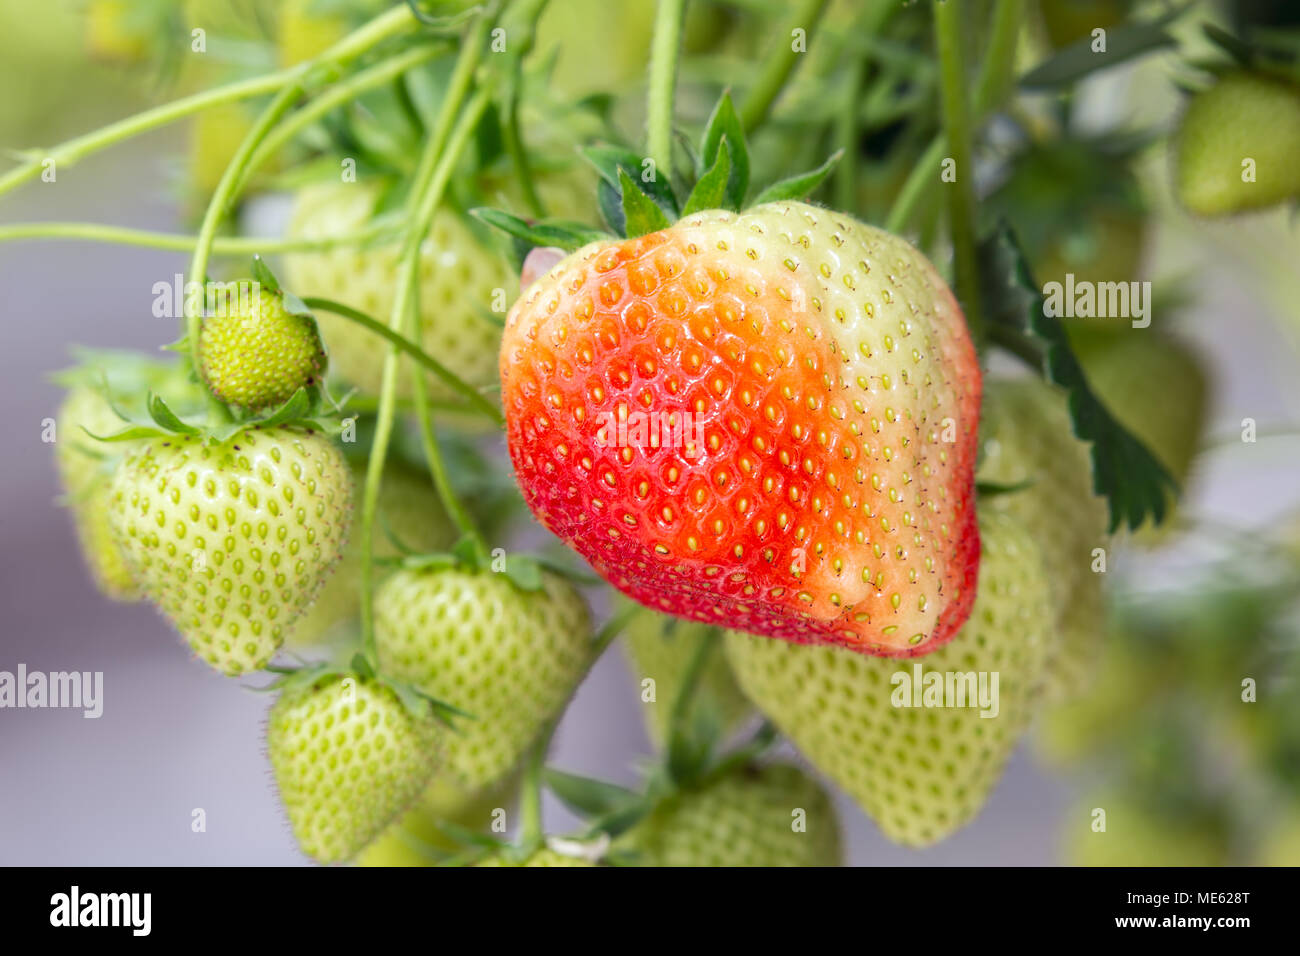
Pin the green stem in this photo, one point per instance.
(417, 228)
(530, 795)
(949, 40)
(690, 680)
(221, 246)
(846, 138)
(998, 71)
(460, 516)
(778, 67)
(70, 152)
(477, 401)
(220, 202)
(992, 87)
(664, 52)
(332, 99)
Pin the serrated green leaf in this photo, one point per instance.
(724, 125)
(800, 186)
(1126, 42)
(560, 233)
(640, 214)
(587, 796)
(710, 191)
(1124, 472)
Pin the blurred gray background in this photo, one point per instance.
(175, 736)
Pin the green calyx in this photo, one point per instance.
(419, 705)
(636, 197)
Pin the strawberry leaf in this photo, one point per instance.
(640, 214)
(801, 186)
(1124, 471)
(586, 796)
(724, 131)
(1129, 41)
(611, 163)
(710, 191)
(547, 232)
(168, 420)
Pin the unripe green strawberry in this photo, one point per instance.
(348, 758)
(411, 512)
(1140, 835)
(763, 421)
(461, 283)
(84, 469)
(660, 648)
(1156, 386)
(1236, 148)
(920, 772)
(769, 815)
(474, 640)
(256, 354)
(543, 857)
(232, 540)
(1028, 437)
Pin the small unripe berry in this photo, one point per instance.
(256, 354)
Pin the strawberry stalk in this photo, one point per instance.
(957, 130)
(395, 21)
(428, 183)
(664, 51)
(777, 69)
(241, 246)
(991, 87)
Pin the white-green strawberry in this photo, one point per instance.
(920, 772)
(474, 640)
(410, 516)
(1028, 439)
(85, 467)
(348, 758)
(232, 540)
(1236, 146)
(464, 288)
(753, 815)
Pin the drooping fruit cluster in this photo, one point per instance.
(765, 421)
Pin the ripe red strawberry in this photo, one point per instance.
(765, 421)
